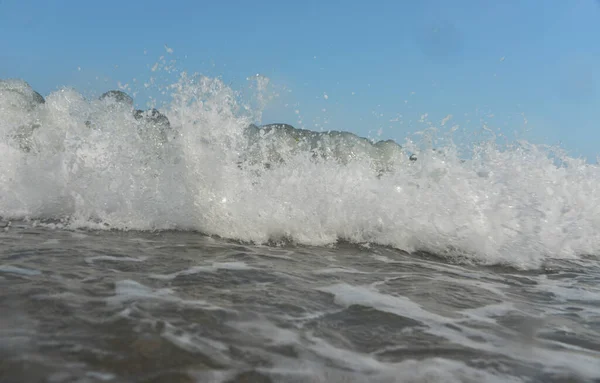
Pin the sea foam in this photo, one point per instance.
(92, 163)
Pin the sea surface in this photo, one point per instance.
(191, 244)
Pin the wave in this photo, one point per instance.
(273, 144)
(201, 163)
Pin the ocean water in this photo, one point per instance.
(201, 248)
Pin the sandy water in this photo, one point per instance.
(95, 306)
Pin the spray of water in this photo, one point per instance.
(98, 164)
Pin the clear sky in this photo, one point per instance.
(370, 67)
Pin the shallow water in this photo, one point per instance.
(94, 306)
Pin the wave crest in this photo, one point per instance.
(200, 164)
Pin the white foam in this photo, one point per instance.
(488, 312)
(114, 259)
(336, 270)
(128, 291)
(18, 270)
(347, 295)
(102, 376)
(358, 367)
(569, 290)
(511, 205)
(351, 360)
(268, 332)
(194, 343)
(214, 267)
(445, 370)
(583, 362)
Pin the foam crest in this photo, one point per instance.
(101, 164)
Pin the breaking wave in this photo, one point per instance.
(201, 163)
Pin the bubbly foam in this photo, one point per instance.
(93, 164)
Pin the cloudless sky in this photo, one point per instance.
(370, 67)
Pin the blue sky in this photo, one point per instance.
(381, 64)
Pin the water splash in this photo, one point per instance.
(96, 164)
